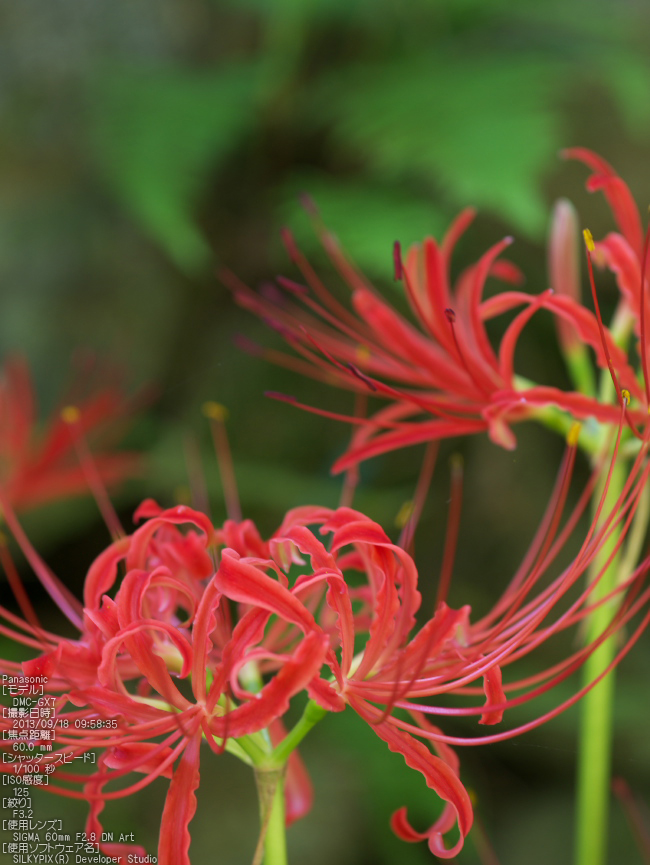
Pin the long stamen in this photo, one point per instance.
(397, 261)
(72, 417)
(632, 812)
(216, 414)
(421, 491)
(451, 318)
(644, 348)
(60, 594)
(484, 848)
(16, 585)
(351, 478)
(453, 524)
(198, 489)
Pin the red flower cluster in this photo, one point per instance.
(191, 635)
(36, 469)
(327, 606)
(444, 378)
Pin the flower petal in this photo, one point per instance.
(439, 776)
(180, 807)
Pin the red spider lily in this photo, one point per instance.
(333, 616)
(447, 369)
(40, 468)
(448, 653)
(165, 621)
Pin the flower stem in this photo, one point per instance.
(272, 846)
(312, 715)
(595, 742)
(269, 776)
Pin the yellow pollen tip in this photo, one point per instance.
(215, 411)
(70, 414)
(574, 434)
(404, 514)
(626, 396)
(363, 354)
(589, 240)
(473, 798)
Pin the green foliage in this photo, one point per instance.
(366, 217)
(628, 78)
(481, 128)
(158, 133)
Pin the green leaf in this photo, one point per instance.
(158, 134)
(627, 76)
(367, 218)
(483, 129)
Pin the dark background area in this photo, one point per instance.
(143, 145)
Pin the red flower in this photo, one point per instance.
(327, 606)
(163, 621)
(36, 468)
(444, 377)
(447, 655)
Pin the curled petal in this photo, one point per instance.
(273, 700)
(616, 192)
(139, 646)
(244, 538)
(180, 807)
(413, 434)
(324, 694)
(124, 755)
(615, 252)
(440, 777)
(244, 582)
(139, 547)
(103, 572)
(94, 829)
(146, 510)
(494, 695)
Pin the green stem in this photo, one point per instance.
(269, 776)
(312, 715)
(595, 742)
(273, 841)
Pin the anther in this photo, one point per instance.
(70, 414)
(363, 354)
(589, 240)
(573, 434)
(451, 315)
(405, 513)
(214, 410)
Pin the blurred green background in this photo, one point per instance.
(142, 144)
